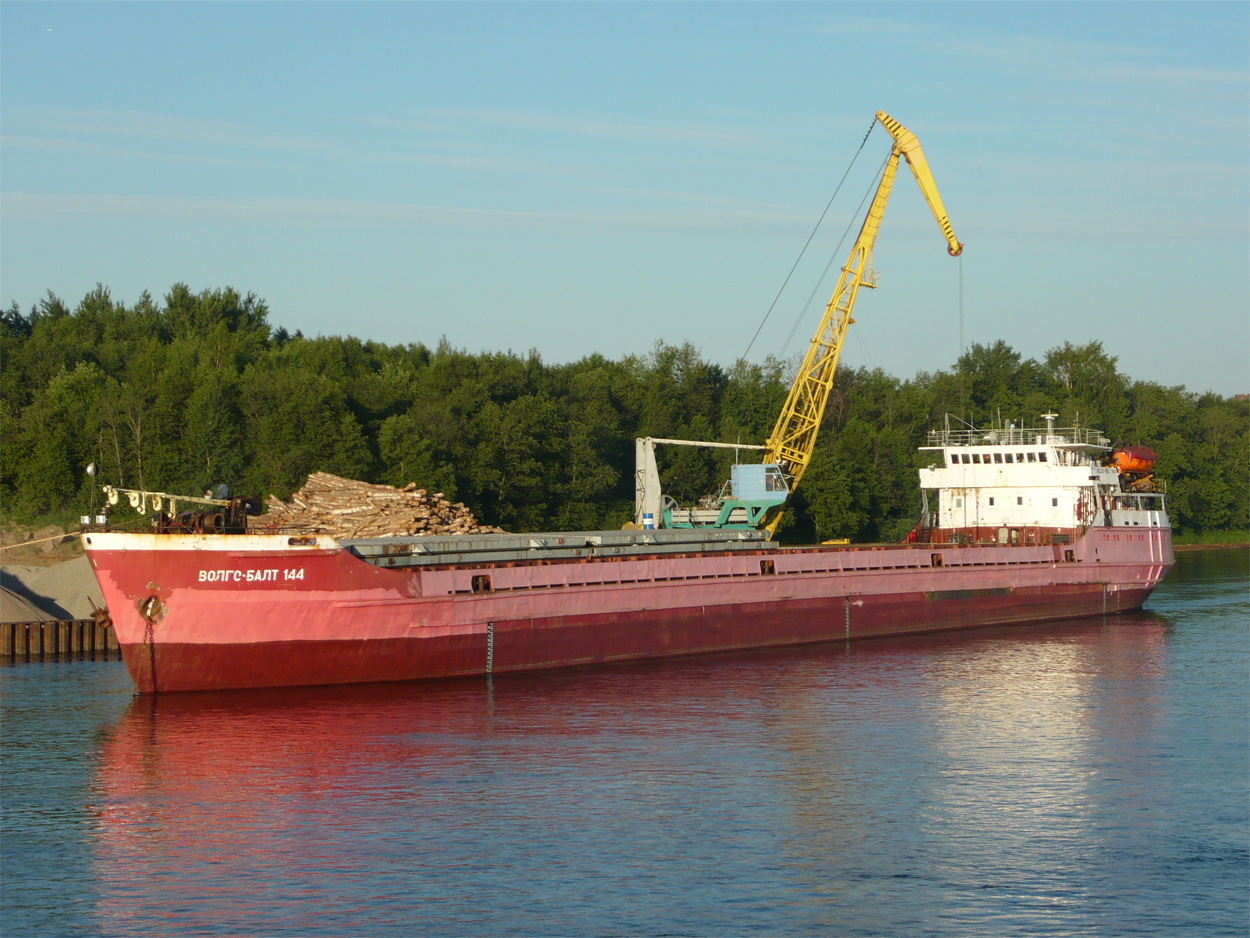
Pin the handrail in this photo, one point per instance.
(1019, 436)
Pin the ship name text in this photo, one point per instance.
(271, 575)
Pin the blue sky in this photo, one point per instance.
(580, 178)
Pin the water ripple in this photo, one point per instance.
(1067, 779)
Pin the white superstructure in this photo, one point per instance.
(1008, 485)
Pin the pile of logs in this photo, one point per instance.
(345, 508)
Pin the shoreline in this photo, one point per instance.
(1242, 545)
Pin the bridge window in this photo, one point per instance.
(1041, 457)
(976, 459)
(1032, 457)
(998, 457)
(1008, 458)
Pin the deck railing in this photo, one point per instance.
(1018, 436)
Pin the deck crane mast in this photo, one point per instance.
(793, 439)
(761, 491)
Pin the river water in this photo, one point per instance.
(1078, 778)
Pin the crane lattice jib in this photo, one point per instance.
(793, 439)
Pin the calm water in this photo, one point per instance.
(1066, 779)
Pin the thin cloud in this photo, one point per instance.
(433, 119)
(691, 198)
(157, 126)
(59, 145)
(92, 132)
(39, 206)
(1033, 55)
(759, 222)
(1087, 61)
(869, 25)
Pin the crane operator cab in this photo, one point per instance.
(759, 483)
(753, 490)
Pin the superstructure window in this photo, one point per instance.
(959, 502)
(1019, 457)
(967, 459)
(976, 458)
(1041, 457)
(1032, 457)
(1008, 458)
(991, 501)
(1019, 499)
(998, 457)
(1054, 503)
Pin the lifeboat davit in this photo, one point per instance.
(1134, 459)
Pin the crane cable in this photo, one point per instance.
(837, 252)
(809, 241)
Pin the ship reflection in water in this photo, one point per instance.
(880, 786)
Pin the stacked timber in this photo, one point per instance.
(345, 508)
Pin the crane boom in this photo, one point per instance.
(793, 439)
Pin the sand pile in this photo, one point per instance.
(60, 591)
(17, 608)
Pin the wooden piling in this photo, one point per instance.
(58, 639)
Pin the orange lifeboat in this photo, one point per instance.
(1134, 459)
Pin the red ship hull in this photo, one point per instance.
(220, 612)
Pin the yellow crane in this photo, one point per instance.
(793, 439)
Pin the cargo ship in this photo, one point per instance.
(1019, 525)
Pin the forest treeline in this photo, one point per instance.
(199, 389)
